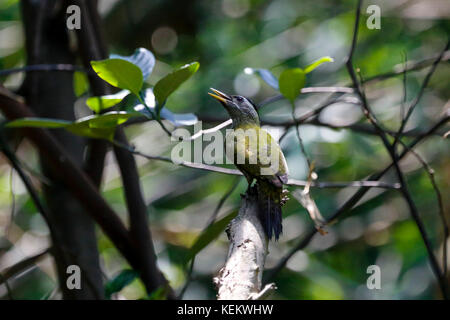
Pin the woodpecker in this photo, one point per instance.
(259, 157)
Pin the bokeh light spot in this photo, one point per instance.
(235, 8)
(164, 40)
(246, 85)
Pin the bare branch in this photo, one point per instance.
(279, 97)
(25, 179)
(410, 66)
(391, 149)
(8, 288)
(74, 178)
(139, 225)
(43, 67)
(420, 94)
(240, 278)
(291, 182)
(430, 173)
(23, 265)
(91, 46)
(362, 191)
(353, 200)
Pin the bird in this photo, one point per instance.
(259, 157)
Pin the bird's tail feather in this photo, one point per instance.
(270, 213)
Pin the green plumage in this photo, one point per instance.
(259, 157)
(252, 149)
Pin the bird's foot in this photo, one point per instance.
(284, 197)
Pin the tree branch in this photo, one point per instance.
(139, 226)
(73, 178)
(391, 150)
(240, 278)
(291, 182)
(50, 94)
(416, 100)
(43, 67)
(91, 46)
(430, 173)
(23, 265)
(353, 200)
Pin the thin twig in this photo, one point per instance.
(43, 67)
(355, 198)
(300, 141)
(13, 202)
(405, 95)
(410, 66)
(221, 202)
(25, 179)
(23, 265)
(391, 150)
(291, 182)
(279, 97)
(356, 127)
(40, 207)
(210, 222)
(92, 47)
(73, 178)
(352, 201)
(430, 173)
(8, 288)
(139, 225)
(416, 100)
(365, 184)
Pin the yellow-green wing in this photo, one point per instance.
(257, 154)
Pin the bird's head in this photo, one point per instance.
(241, 109)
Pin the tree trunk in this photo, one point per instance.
(50, 94)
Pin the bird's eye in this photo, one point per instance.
(239, 99)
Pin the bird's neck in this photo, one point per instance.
(243, 122)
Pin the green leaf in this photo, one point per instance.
(83, 129)
(124, 278)
(158, 294)
(95, 126)
(97, 104)
(80, 83)
(99, 126)
(107, 120)
(211, 233)
(142, 58)
(167, 85)
(119, 73)
(291, 82)
(317, 63)
(38, 123)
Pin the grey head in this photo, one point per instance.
(241, 109)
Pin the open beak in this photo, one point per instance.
(222, 97)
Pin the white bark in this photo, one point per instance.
(241, 277)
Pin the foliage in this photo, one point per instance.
(269, 49)
(95, 126)
(120, 281)
(167, 85)
(120, 73)
(128, 74)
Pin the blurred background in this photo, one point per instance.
(227, 36)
